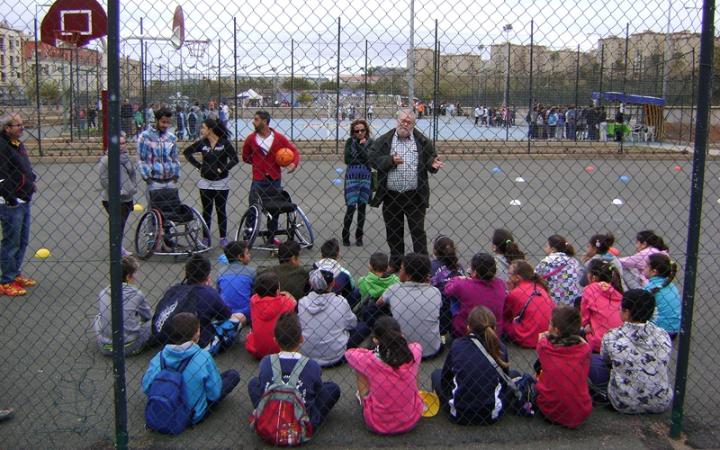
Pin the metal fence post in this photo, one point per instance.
(121, 433)
(707, 44)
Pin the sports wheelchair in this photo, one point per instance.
(266, 205)
(169, 227)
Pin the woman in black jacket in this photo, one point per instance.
(218, 157)
(357, 179)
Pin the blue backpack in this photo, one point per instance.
(167, 409)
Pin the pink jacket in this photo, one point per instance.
(639, 260)
(600, 308)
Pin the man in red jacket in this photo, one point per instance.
(259, 150)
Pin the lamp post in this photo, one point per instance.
(507, 29)
(411, 59)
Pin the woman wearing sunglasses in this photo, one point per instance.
(357, 179)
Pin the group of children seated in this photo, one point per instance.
(595, 340)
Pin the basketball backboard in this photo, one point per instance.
(178, 28)
(73, 22)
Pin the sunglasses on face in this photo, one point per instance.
(359, 130)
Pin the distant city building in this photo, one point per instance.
(11, 66)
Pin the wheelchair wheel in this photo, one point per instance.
(299, 228)
(195, 230)
(148, 234)
(249, 226)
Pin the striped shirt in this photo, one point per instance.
(403, 177)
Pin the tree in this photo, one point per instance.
(300, 84)
(304, 98)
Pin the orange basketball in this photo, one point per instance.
(284, 157)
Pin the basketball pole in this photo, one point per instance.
(235, 81)
(116, 297)
(37, 87)
(337, 94)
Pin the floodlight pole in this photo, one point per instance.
(411, 59)
(37, 86)
(143, 75)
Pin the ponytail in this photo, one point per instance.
(392, 347)
(604, 271)
(665, 268)
(525, 271)
(481, 322)
(505, 244)
(561, 245)
(445, 251)
(651, 239)
(602, 243)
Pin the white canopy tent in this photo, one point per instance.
(250, 98)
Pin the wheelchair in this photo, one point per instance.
(169, 227)
(271, 203)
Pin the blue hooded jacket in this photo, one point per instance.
(201, 376)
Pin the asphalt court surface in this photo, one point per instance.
(61, 386)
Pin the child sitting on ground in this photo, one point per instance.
(319, 397)
(329, 325)
(564, 359)
(600, 303)
(632, 368)
(480, 289)
(646, 243)
(373, 285)
(136, 314)
(387, 379)
(445, 267)
(343, 284)
(561, 270)
(661, 271)
(528, 306)
(235, 281)
(196, 295)
(293, 277)
(598, 248)
(468, 384)
(415, 304)
(266, 305)
(205, 386)
(505, 250)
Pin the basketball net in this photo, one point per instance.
(67, 39)
(197, 50)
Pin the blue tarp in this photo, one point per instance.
(629, 98)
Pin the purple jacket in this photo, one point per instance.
(472, 292)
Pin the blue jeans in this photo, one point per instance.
(15, 223)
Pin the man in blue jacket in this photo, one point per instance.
(17, 185)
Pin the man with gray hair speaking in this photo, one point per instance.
(17, 186)
(403, 157)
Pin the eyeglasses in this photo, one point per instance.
(17, 125)
(359, 130)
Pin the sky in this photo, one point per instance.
(265, 29)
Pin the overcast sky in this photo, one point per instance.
(265, 28)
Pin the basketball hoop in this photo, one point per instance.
(197, 50)
(68, 39)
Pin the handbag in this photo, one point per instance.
(521, 386)
(534, 293)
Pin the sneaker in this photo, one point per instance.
(223, 242)
(24, 281)
(12, 289)
(346, 242)
(359, 242)
(124, 253)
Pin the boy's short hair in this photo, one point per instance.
(330, 249)
(183, 327)
(288, 331)
(264, 115)
(267, 284)
(639, 303)
(484, 266)
(129, 266)
(233, 249)
(417, 267)
(379, 262)
(287, 250)
(197, 269)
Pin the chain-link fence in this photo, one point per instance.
(565, 124)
